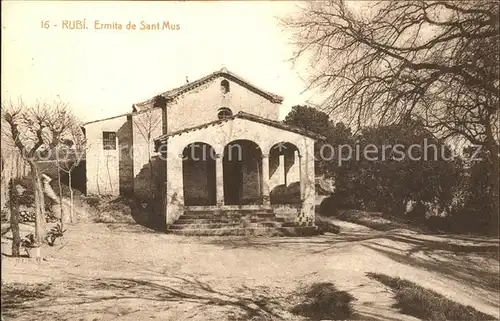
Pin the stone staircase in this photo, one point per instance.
(262, 222)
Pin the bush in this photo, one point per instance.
(54, 233)
(29, 217)
(384, 184)
(329, 206)
(28, 197)
(282, 194)
(92, 201)
(471, 220)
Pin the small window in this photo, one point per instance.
(224, 113)
(109, 140)
(224, 86)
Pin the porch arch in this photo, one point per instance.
(198, 174)
(242, 172)
(284, 173)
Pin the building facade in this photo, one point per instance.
(213, 144)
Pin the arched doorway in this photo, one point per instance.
(198, 173)
(284, 173)
(242, 166)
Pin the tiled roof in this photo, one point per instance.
(173, 93)
(103, 119)
(242, 115)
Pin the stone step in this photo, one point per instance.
(183, 220)
(229, 212)
(211, 225)
(248, 231)
(179, 226)
(227, 216)
(263, 224)
(288, 224)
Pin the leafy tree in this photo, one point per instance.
(378, 62)
(407, 163)
(317, 121)
(473, 204)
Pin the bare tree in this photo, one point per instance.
(378, 62)
(34, 128)
(147, 124)
(72, 159)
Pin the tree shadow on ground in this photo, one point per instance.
(80, 297)
(118, 297)
(442, 255)
(322, 301)
(426, 245)
(324, 243)
(314, 244)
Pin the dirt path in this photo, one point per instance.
(126, 272)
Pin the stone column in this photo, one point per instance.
(266, 200)
(219, 179)
(307, 180)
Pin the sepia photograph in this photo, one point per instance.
(250, 160)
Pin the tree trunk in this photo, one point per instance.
(6, 176)
(60, 194)
(71, 207)
(14, 219)
(39, 203)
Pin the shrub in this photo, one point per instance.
(29, 241)
(92, 201)
(329, 206)
(54, 233)
(387, 181)
(282, 194)
(29, 216)
(28, 197)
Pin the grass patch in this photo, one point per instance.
(322, 301)
(414, 300)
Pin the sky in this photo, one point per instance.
(101, 73)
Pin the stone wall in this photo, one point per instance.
(145, 127)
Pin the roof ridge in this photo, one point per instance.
(174, 92)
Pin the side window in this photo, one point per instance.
(109, 140)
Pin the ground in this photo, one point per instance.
(127, 272)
